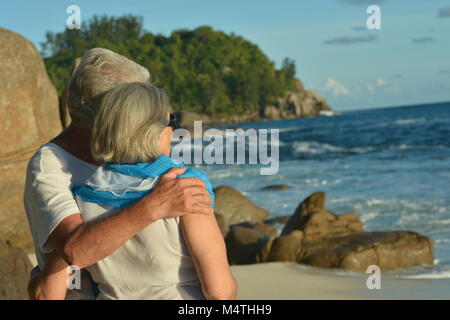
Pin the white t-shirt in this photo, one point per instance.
(52, 172)
(154, 264)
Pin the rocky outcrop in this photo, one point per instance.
(315, 222)
(296, 104)
(388, 250)
(235, 207)
(284, 248)
(317, 237)
(29, 117)
(244, 244)
(15, 271)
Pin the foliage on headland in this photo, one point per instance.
(202, 70)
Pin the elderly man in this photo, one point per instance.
(60, 236)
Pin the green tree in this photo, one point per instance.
(202, 70)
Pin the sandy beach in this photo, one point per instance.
(290, 281)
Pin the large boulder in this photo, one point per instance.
(244, 244)
(388, 250)
(29, 117)
(284, 248)
(312, 218)
(15, 271)
(235, 207)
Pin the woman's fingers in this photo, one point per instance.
(173, 173)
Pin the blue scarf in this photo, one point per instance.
(154, 169)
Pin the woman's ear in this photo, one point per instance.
(164, 141)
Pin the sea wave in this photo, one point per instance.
(313, 147)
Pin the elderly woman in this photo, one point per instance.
(173, 258)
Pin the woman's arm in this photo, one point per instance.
(51, 284)
(207, 247)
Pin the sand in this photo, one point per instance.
(290, 281)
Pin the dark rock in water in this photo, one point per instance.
(235, 207)
(223, 224)
(276, 187)
(244, 244)
(280, 220)
(315, 222)
(29, 118)
(15, 271)
(388, 250)
(285, 248)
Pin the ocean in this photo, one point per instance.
(391, 166)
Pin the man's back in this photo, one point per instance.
(51, 174)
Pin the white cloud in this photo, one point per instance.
(336, 88)
(379, 83)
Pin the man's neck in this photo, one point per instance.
(76, 140)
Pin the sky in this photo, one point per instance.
(405, 62)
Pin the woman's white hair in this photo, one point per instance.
(99, 70)
(128, 124)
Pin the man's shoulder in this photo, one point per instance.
(47, 157)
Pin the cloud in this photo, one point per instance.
(444, 12)
(381, 84)
(361, 2)
(422, 40)
(336, 88)
(350, 40)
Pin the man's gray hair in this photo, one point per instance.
(99, 71)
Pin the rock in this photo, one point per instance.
(29, 117)
(297, 103)
(236, 207)
(271, 113)
(244, 244)
(276, 187)
(388, 250)
(223, 224)
(265, 228)
(280, 220)
(15, 271)
(315, 222)
(285, 248)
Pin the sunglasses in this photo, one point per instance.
(173, 122)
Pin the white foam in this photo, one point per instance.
(313, 147)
